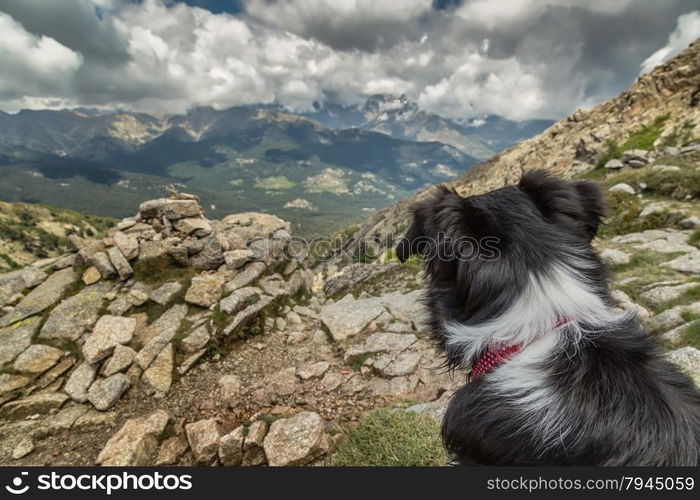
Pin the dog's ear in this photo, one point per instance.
(566, 203)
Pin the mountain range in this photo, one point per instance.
(321, 170)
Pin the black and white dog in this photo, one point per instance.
(558, 377)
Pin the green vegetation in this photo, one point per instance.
(161, 270)
(393, 438)
(643, 138)
(681, 135)
(695, 238)
(624, 216)
(691, 335)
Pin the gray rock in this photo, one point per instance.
(10, 382)
(43, 296)
(316, 370)
(23, 448)
(251, 272)
(109, 332)
(120, 360)
(203, 437)
(690, 223)
(624, 302)
(666, 168)
(635, 155)
(190, 361)
(205, 290)
(164, 330)
(622, 188)
(248, 314)
(170, 209)
(103, 393)
(80, 381)
(73, 316)
(662, 294)
(16, 338)
(120, 263)
(404, 364)
(671, 318)
(675, 336)
(211, 256)
(196, 226)
(196, 340)
(348, 317)
(103, 264)
(613, 257)
(434, 409)
(253, 225)
(91, 276)
(41, 403)
(164, 294)
(37, 359)
(274, 285)
(237, 258)
(159, 375)
(135, 443)
(127, 243)
(614, 164)
(688, 360)
(297, 440)
(688, 263)
(253, 451)
(405, 307)
(379, 343)
(231, 447)
(171, 450)
(240, 299)
(17, 281)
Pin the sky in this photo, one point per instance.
(521, 59)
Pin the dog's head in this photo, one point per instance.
(480, 251)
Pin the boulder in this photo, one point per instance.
(248, 314)
(10, 382)
(120, 360)
(231, 447)
(614, 164)
(37, 359)
(613, 257)
(195, 226)
(41, 403)
(120, 263)
(690, 223)
(171, 450)
(73, 316)
(205, 290)
(203, 437)
(135, 443)
(15, 282)
(316, 370)
(251, 272)
(382, 342)
(635, 157)
(127, 243)
(109, 332)
(196, 340)
(91, 275)
(622, 188)
(165, 293)
(297, 440)
(101, 261)
(237, 258)
(43, 296)
(253, 451)
(349, 316)
(688, 263)
(159, 375)
(662, 294)
(170, 209)
(103, 393)
(80, 381)
(240, 299)
(253, 225)
(161, 333)
(688, 360)
(16, 338)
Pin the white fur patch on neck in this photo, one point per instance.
(558, 293)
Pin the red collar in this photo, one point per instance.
(497, 355)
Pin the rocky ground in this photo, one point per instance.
(179, 340)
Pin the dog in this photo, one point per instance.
(558, 377)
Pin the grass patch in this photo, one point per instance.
(161, 270)
(645, 137)
(645, 266)
(393, 438)
(624, 218)
(691, 335)
(695, 238)
(675, 184)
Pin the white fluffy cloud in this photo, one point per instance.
(687, 30)
(535, 58)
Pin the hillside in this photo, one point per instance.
(29, 232)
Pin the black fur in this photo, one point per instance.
(621, 402)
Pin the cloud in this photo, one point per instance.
(33, 66)
(687, 30)
(534, 59)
